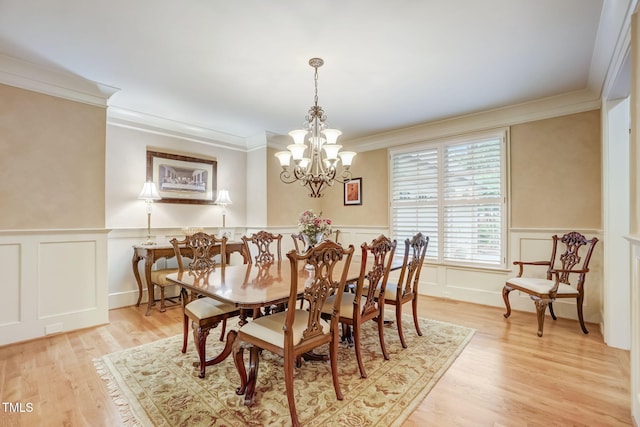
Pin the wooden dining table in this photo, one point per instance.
(250, 287)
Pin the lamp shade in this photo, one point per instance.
(332, 135)
(298, 135)
(223, 198)
(149, 192)
(347, 157)
(284, 157)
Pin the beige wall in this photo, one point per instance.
(556, 172)
(286, 201)
(53, 162)
(555, 180)
(372, 167)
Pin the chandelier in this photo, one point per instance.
(319, 167)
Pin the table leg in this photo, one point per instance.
(254, 362)
(226, 351)
(238, 360)
(136, 273)
(148, 263)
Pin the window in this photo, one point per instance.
(454, 192)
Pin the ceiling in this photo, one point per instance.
(241, 67)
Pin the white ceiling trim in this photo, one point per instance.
(22, 74)
(121, 117)
(561, 105)
(611, 43)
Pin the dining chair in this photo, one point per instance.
(298, 242)
(365, 305)
(406, 289)
(204, 313)
(573, 262)
(159, 279)
(263, 241)
(294, 332)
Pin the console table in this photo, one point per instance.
(152, 253)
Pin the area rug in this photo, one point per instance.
(156, 385)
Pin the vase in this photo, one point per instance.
(309, 243)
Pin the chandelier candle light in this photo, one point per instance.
(149, 193)
(319, 169)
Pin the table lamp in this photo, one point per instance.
(149, 193)
(223, 200)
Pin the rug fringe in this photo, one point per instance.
(126, 414)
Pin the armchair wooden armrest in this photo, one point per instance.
(521, 265)
(560, 270)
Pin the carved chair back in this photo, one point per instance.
(262, 241)
(575, 257)
(373, 281)
(415, 250)
(201, 250)
(330, 263)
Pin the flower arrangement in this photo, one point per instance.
(313, 226)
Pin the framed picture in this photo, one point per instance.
(353, 192)
(182, 179)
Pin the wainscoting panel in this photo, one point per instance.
(474, 285)
(57, 282)
(67, 278)
(10, 301)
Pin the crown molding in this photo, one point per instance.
(561, 105)
(25, 75)
(122, 117)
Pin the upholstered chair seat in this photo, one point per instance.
(201, 309)
(346, 305)
(542, 286)
(269, 328)
(159, 279)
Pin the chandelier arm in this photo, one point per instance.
(345, 177)
(286, 177)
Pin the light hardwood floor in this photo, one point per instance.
(506, 376)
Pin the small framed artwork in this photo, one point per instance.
(182, 179)
(353, 192)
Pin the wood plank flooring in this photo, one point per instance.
(506, 376)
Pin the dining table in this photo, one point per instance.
(252, 286)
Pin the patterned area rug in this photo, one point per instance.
(156, 385)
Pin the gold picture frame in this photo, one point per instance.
(182, 179)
